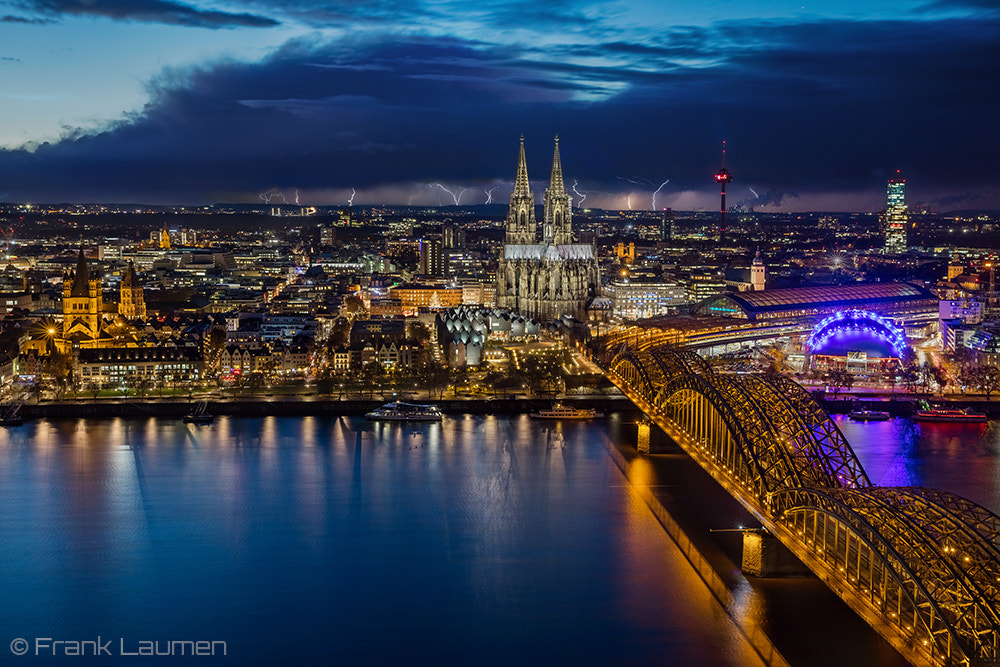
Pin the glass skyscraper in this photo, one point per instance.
(895, 217)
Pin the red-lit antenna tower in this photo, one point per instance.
(722, 177)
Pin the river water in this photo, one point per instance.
(480, 540)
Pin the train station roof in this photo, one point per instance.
(880, 297)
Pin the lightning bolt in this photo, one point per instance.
(489, 194)
(265, 197)
(297, 197)
(652, 204)
(630, 202)
(454, 197)
(630, 180)
(581, 195)
(350, 202)
(754, 193)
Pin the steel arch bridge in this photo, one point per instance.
(922, 567)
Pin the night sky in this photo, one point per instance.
(155, 101)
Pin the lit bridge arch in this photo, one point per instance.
(921, 566)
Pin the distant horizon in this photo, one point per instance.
(262, 208)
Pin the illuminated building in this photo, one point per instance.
(431, 257)
(895, 217)
(413, 297)
(83, 305)
(552, 278)
(634, 300)
(758, 273)
(132, 305)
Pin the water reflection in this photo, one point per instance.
(488, 540)
(960, 458)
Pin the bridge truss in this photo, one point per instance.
(922, 567)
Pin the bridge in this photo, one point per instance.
(922, 567)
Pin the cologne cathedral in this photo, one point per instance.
(554, 277)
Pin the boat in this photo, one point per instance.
(199, 415)
(565, 412)
(869, 416)
(950, 415)
(397, 411)
(10, 414)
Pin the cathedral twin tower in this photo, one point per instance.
(555, 277)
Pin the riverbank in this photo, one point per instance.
(899, 406)
(301, 406)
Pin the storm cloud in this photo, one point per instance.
(810, 112)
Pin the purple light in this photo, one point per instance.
(857, 321)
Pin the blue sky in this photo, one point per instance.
(156, 101)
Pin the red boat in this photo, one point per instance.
(950, 415)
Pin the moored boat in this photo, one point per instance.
(565, 412)
(869, 415)
(397, 411)
(200, 415)
(950, 415)
(10, 414)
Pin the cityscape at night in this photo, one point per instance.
(499, 333)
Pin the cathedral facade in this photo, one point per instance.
(549, 277)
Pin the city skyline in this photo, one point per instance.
(161, 102)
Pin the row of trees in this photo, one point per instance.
(965, 372)
(536, 375)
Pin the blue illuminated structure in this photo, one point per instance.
(857, 321)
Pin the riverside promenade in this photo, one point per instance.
(302, 405)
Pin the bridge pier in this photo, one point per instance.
(765, 556)
(642, 439)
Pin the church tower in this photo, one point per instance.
(557, 227)
(82, 302)
(521, 225)
(757, 273)
(164, 238)
(132, 305)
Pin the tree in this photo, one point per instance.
(837, 379)
(418, 331)
(432, 376)
(373, 376)
(216, 343)
(355, 307)
(340, 334)
(989, 380)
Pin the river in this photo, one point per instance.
(480, 540)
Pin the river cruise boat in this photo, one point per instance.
(564, 412)
(397, 411)
(10, 414)
(950, 415)
(870, 416)
(200, 415)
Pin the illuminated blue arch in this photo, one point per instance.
(859, 321)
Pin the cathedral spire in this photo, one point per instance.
(521, 185)
(521, 225)
(557, 225)
(556, 180)
(81, 280)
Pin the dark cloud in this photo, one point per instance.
(959, 6)
(147, 11)
(808, 110)
(21, 19)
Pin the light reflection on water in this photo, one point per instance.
(961, 458)
(482, 540)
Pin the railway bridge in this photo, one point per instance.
(921, 566)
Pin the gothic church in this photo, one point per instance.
(555, 277)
